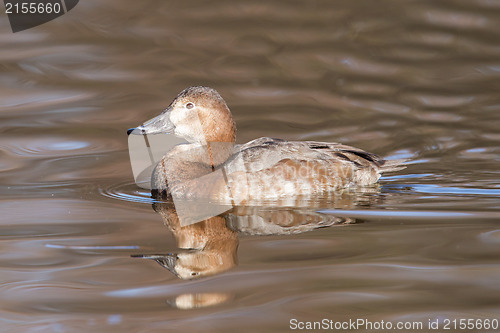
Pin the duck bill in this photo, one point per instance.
(158, 125)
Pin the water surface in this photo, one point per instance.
(403, 79)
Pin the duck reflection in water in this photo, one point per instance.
(210, 246)
(207, 188)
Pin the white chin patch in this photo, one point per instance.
(188, 126)
(187, 133)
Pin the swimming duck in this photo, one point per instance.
(210, 165)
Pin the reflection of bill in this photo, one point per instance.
(210, 246)
(190, 191)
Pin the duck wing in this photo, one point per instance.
(264, 153)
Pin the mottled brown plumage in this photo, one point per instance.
(211, 166)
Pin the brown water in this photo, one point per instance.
(403, 79)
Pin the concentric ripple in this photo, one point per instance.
(128, 191)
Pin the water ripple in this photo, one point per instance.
(127, 191)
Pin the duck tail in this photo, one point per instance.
(393, 165)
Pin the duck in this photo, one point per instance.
(208, 164)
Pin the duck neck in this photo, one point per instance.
(195, 160)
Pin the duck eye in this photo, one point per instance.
(189, 105)
(194, 274)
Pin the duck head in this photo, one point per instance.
(198, 115)
(196, 264)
